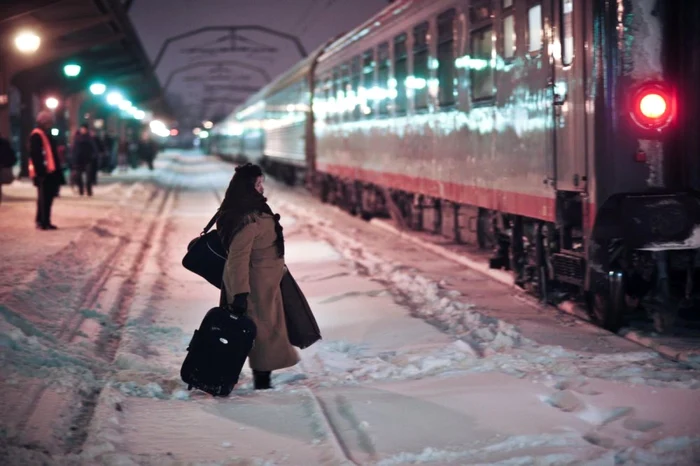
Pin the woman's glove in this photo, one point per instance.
(240, 303)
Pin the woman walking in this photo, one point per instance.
(254, 268)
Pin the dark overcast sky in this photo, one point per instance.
(314, 21)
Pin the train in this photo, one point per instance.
(561, 135)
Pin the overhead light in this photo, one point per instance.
(98, 88)
(51, 103)
(27, 42)
(114, 98)
(71, 70)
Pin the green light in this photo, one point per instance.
(98, 88)
(71, 70)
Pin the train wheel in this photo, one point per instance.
(607, 304)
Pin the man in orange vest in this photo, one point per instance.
(45, 169)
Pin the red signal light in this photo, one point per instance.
(653, 106)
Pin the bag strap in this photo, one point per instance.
(211, 223)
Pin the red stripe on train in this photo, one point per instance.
(528, 205)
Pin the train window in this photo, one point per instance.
(337, 94)
(383, 76)
(445, 56)
(346, 88)
(328, 95)
(567, 32)
(482, 78)
(507, 3)
(400, 73)
(356, 72)
(368, 83)
(534, 28)
(421, 74)
(509, 37)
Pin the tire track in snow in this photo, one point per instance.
(90, 293)
(109, 341)
(43, 401)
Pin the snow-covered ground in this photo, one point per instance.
(422, 361)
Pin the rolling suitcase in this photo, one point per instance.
(217, 352)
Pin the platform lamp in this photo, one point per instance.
(71, 70)
(27, 42)
(97, 88)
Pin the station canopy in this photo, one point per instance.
(97, 35)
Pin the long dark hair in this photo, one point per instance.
(241, 188)
(242, 203)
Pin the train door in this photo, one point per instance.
(568, 86)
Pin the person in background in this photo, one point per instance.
(8, 159)
(123, 155)
(110, 162)
(252, 234)
(99, 156)
(148, 149)
(84, 156)
(44, 169)
(133, 149)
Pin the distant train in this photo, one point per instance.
(562, 134)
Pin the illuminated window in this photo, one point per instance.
(383, 76)
(509, 37)
(446, 58)
(400, 73)
(356, 74)
(368, 80)
(337, 90)
(567, 32)
(482, 72)
(421, 73)
(346, 88)
(534, 28)
(328, 94)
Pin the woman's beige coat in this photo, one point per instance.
(254, 267)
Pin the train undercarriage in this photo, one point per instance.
(657, 288)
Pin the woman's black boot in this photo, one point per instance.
(262, 380)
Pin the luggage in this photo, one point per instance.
(302, 328)
(217, 352)
(206, 255)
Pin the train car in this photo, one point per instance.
(288, 121)
(251, 118)
(560, 134)
(225, 139)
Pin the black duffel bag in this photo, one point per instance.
(206, 255)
